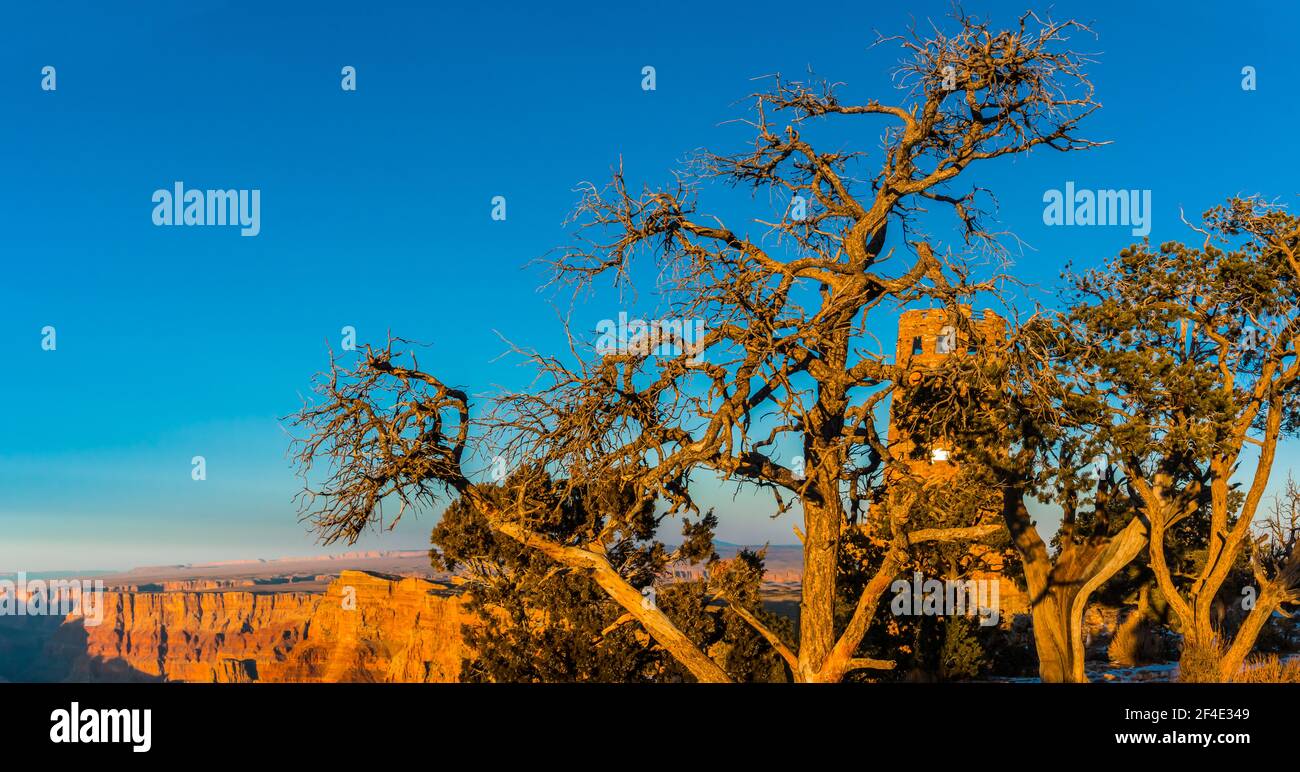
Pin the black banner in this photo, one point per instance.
(265, 722)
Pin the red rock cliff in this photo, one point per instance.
(364, 628)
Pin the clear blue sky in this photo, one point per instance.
(175, 342)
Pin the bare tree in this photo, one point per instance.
(788, 359)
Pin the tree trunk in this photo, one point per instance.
(1053, 634)
(817, 603)
(1059, 590)
(1235, 656)
(1244, 642)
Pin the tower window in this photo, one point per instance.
(947, 341)
(916, 345)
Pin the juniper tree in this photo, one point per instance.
(1196, 353)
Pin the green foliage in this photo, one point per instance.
(1161, 331)
(540, 622)
(962, 655)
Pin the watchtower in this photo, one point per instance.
(926, 337)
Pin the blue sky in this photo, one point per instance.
(175, 342)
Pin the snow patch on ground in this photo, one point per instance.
(1104, 673)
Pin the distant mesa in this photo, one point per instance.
(355, 555)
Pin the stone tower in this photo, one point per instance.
(925, 338)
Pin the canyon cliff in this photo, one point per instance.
(365, 627)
